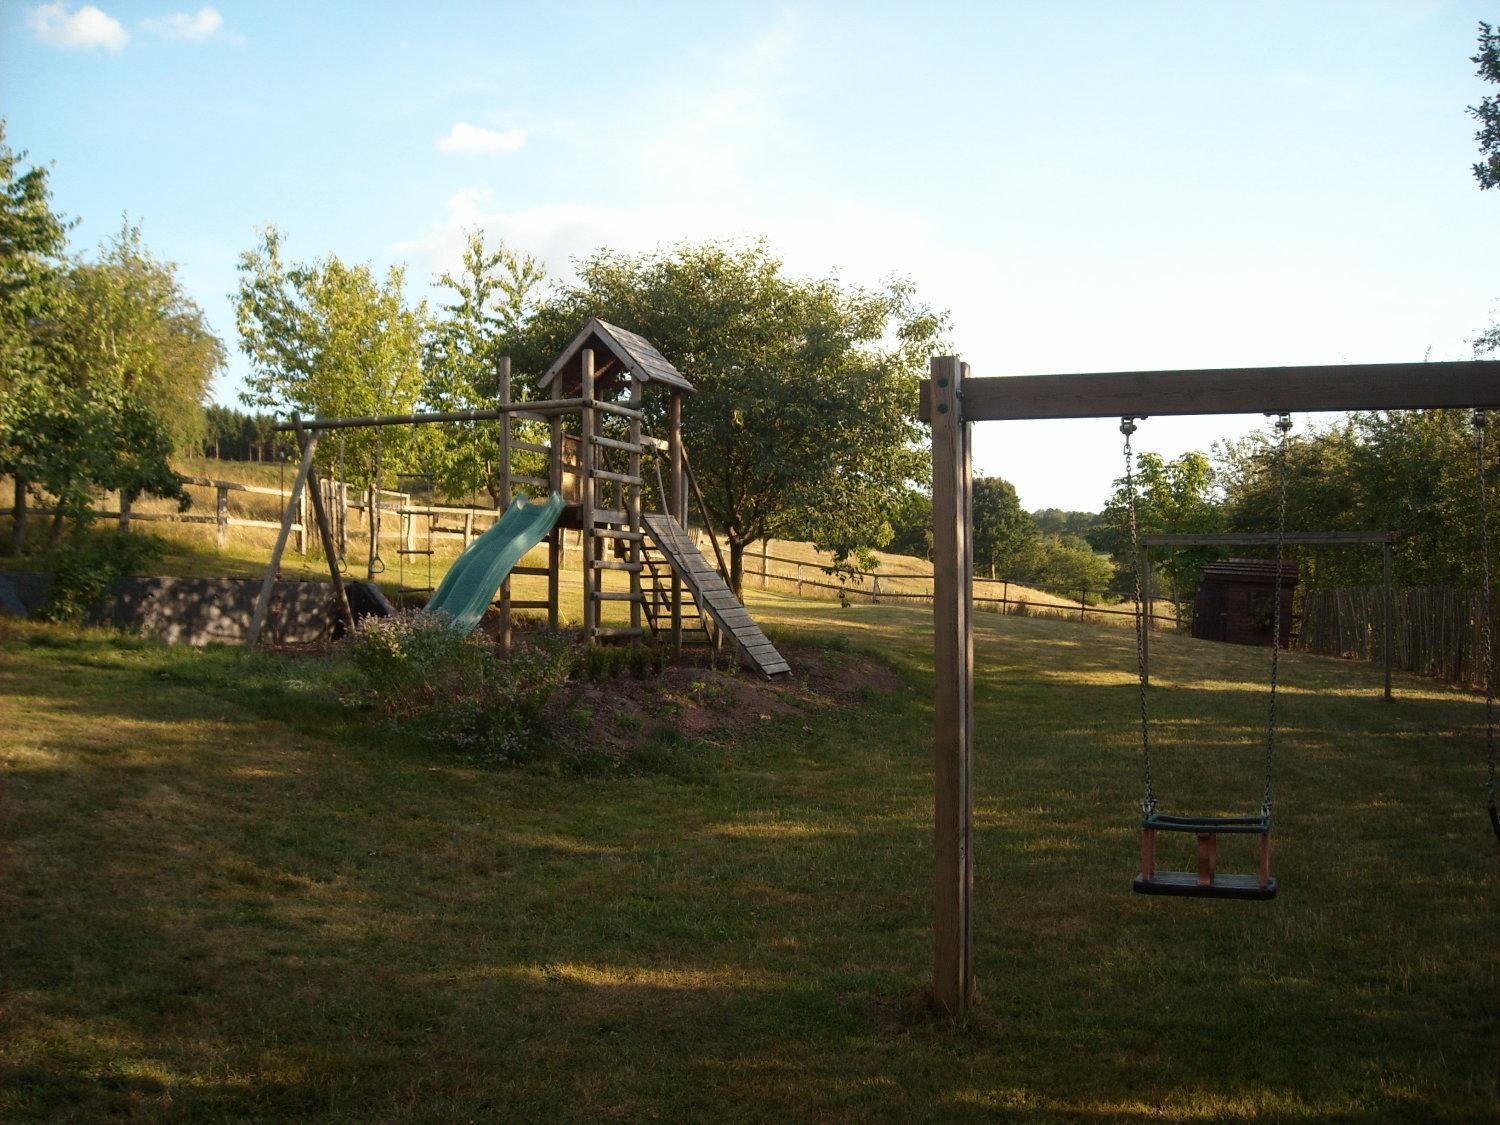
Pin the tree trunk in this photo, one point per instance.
(737, 566)
(54, 537)
(18, 519)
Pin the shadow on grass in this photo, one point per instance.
(227, 901)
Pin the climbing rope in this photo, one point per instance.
(1283, 427)
(1148, 801)
(1485, 626)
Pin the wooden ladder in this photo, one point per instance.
(657, 589)
(712, 596)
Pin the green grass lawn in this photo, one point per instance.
(225, 899)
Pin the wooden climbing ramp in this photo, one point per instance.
(714, 597)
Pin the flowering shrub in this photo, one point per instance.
(452, 691)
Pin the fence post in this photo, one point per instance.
(1083, 603)
(221, 516)
(875, 588)
(302, 522)
(799, 580)
(124, 522)
(765, 551)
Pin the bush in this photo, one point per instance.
(85, 569)
(453, 691)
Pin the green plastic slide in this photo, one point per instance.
(475, 577)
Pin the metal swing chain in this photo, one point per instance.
(1486, 623)
(1148, 801)
(1284, 427)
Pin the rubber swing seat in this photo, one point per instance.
(1205, 882)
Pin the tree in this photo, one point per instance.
(331, 339)
(1487, 112)
(1411, 472)
(1068, 563)
(804, 418)
(1005, 536)
(33, 241)
(1173, 497)
(95, 358)
(133, 326)
(911, 525)
(491, 298)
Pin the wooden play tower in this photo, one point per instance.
(603, 378)
(597, 465)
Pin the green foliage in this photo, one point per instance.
(804, 421)
(1487, 112)
(234, 435)
(1055, 521)
(130, 326)
(610, 662)
(103, 364)
(1173, 497)
(488, 302)
(332, 339)
(1069, 564)
(1412, 472)
(911, 525)
(87, 567)
(452, 691)
(1005, 536)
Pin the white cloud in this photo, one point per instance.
(62, 25)
(469, 139)
(205, 23)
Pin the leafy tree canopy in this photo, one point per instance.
(327, 338)
(804, 420)
(1487, 112)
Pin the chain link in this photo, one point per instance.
(1283, 427)
(1148, 801)
(1486, 622)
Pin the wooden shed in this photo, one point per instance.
(1236, 600)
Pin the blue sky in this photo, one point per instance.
(1085, 186)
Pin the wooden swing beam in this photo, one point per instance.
(952, 402)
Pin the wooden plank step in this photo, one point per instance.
(544, 604)
(534, 571)
(607, 564)
(610, 631)
(529, 446)
(612, 596)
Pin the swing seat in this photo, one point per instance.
(1205, 882)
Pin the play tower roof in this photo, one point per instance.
(615, 351)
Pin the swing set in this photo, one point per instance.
(951, 402)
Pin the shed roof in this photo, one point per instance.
(631, 352)
(1262, 571)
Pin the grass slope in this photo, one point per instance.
(223, 900)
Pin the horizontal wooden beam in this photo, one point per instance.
(1268, 539)
(1229, 390)
(539, 409)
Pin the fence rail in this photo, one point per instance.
(1435, 631)
(866, 586)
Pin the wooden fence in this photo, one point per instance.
(989, 594)
(1435, 631)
